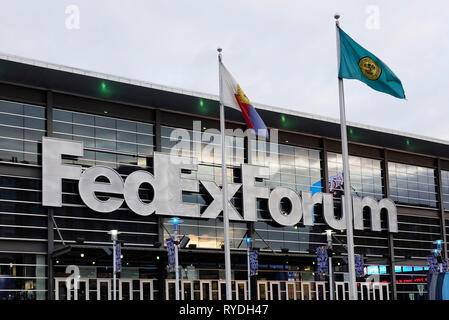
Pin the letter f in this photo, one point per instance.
(53, 171)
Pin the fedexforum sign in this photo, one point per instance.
(168, 186)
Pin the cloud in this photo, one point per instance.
(282, 52)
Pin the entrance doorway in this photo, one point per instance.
(205, 290)
(262, 291)
(380, 291)
(290, 290)
(146, 290)
(306, 290)
(320, 290)
(275, 290)
(125, 289)
(341, 290)
(241, 292)
(365, 290)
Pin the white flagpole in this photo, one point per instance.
(224, 188)
(346, 180)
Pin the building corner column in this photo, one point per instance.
(50, 211)
(392, 261)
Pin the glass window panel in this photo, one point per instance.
(145, 150)
(105, 122)
(88, 142)
(11, 120)
(9, 144)
(11, 132)
(83, 119)
(33, 111)
(105, 156)
(33, 135)
(126, 125)
(416, 184)
(144, 139)
(126, 136)
(34, 123)
(30, 147)
(11, 107)
(62, 115)
(62, 127)
(104, 144)
(364, 173)
(83, 130)
(105, 134)
(145, 128)
(126, 147)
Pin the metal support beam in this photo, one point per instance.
(441, 207)
(50, 211)
(325, 168)
(160, 266)
(390, 235)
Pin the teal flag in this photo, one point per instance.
(358, 63)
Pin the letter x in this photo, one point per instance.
(214, 209)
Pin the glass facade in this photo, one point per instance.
(298, 169)
(366, 174)
(127, 146)
(416, 236)
(445, 187)
(107, 141)
(21, 129)
(412, 184)
(206, 233)
(123, 145)
(22, 276)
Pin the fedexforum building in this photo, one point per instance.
(83, 153)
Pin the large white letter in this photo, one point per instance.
(169, 185)
(274, 205)
(132, 185)
(216, 206)
(250, 191)
(88, 186)
(53, 171)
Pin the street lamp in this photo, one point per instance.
(176, 222)
(329, 233)
(248, 245)
(437, 253)
(114, 235)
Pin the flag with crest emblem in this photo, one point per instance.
(358, 63)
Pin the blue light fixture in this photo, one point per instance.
(248, 241)
(176, 221)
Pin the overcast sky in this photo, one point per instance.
(282, 52)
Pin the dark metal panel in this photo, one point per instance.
(22, 94)
(444, 164)
(414, 211)
(411, 159)
(102, 107)
(365, 151)
(355, 149)
(23, 246)
(12, 169)
(181, 120)
(299, 140)
(333, 146)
